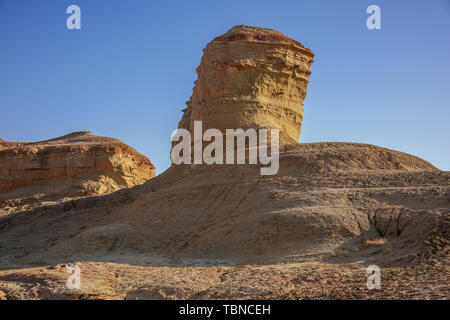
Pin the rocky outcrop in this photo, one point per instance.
(79, 163)
(342, 205)
(327, 197)
(251, 77)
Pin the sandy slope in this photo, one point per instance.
(76, 165)
(327, 200)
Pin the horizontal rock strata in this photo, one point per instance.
(251, 77)
(96, 164)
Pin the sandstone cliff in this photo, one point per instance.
(251, 77)
(77, 164)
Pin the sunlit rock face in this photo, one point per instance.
(77, 163)
(251, 77)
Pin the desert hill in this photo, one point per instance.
(226, 231)
(75, 165)
(319, 202)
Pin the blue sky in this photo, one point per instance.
(129, 70)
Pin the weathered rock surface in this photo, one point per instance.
(77, 164)
(225, 231)
(326, 197)
(251, 77)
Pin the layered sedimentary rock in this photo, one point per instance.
(80, 161)
(251, 77)
(338, 205)
(327, 197)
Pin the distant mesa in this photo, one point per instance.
(251, 77)
(78, 163)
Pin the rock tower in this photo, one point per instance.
(251, 77)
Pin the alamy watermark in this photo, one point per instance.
(74, 280)
(374, 20)
(74, 20)
(374, 280)
(213, 153)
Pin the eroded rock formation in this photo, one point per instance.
(251, 77)
(331, 206)
(79, 163)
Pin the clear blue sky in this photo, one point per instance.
(128, 72)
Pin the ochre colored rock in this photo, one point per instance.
(326, 197)
(80, 161)
(251, 77)
(225, 231)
